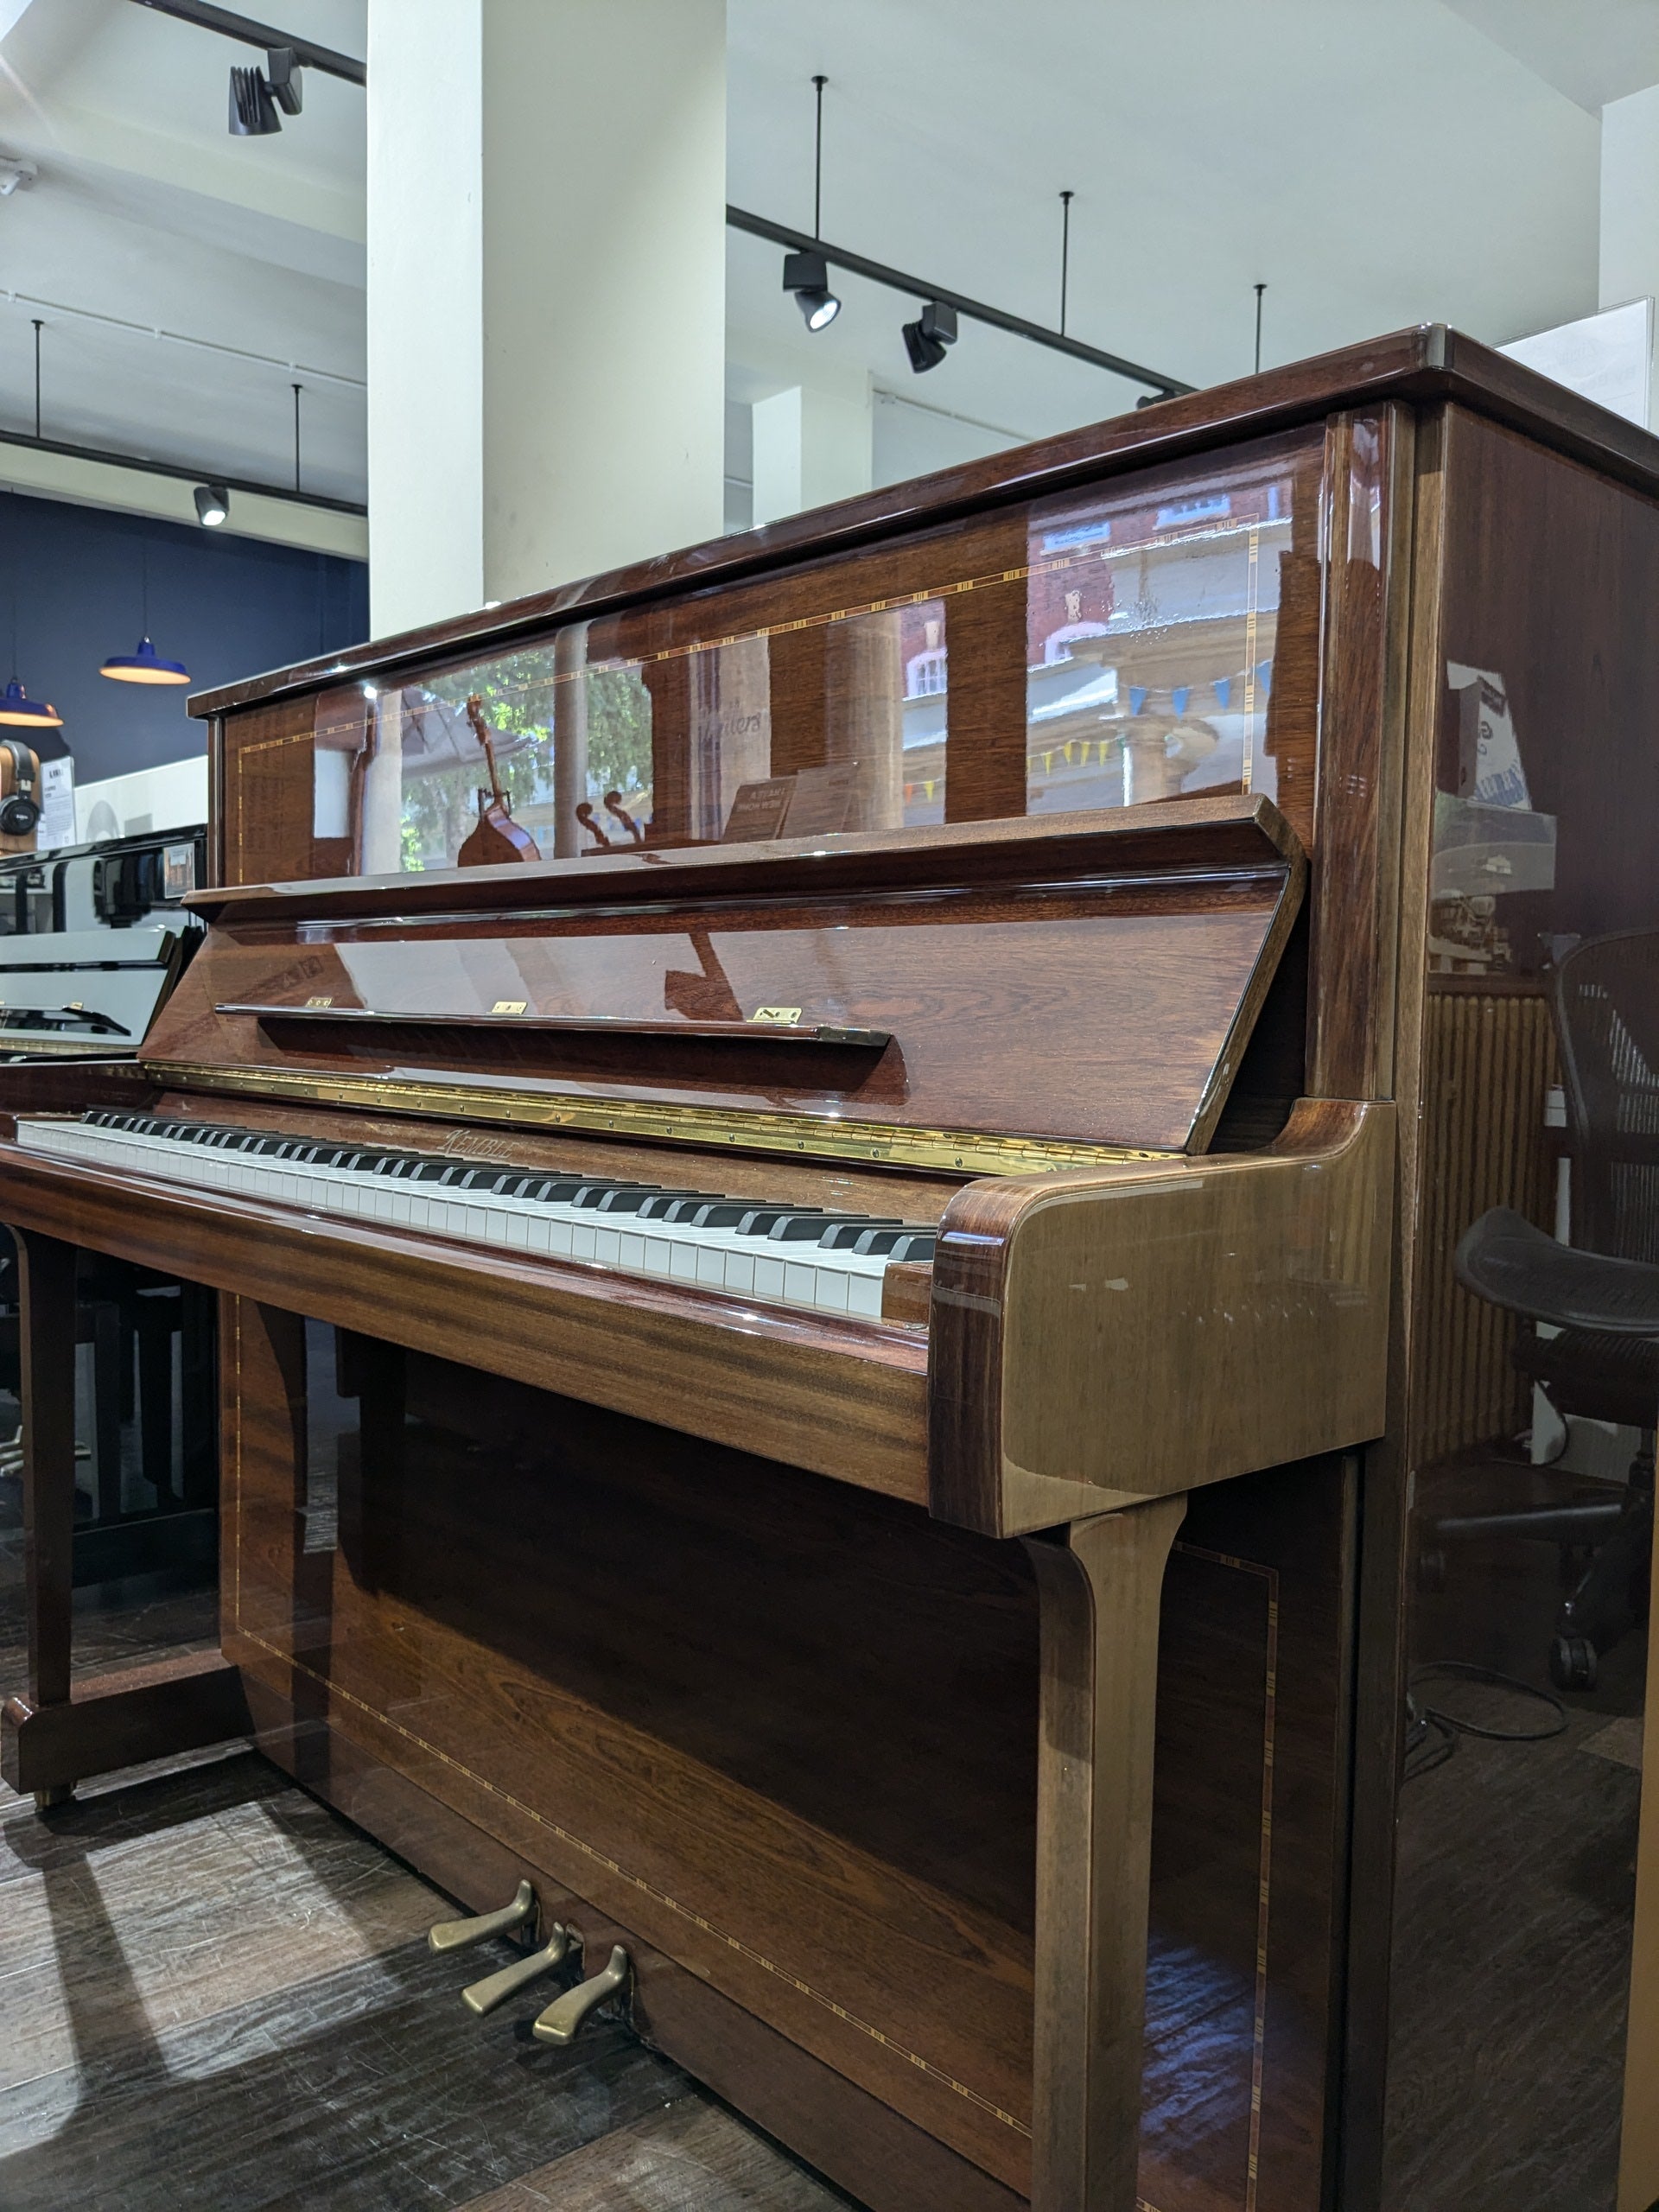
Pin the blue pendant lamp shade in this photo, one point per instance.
(17, 708)
(144, 665)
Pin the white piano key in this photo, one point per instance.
(795, 1274)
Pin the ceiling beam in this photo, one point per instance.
(247, 32)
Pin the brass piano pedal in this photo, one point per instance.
(482, 1997)
(562, 2022)
(457, 1934)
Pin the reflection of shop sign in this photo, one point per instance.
(178, 870)
(509, 1006)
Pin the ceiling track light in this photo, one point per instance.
(806, 273)
(213, 506)
(913, 287)
(256, 95)
(928, 337)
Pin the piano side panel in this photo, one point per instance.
(1505, 1919)
(785, 1740)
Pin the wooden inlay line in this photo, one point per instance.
(895, 603)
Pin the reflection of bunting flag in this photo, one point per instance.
(928, 787)
(1178, 698)
(1137, 697)
(1264, 677)
(1224, 690)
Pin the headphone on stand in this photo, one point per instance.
(20, 810)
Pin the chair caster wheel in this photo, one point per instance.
(1573, 1664)
(1431, 1572)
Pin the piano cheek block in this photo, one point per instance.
(1111, 1305)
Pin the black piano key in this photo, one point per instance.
(664, 1205)
(807, 1228)
(844, 1236)
(759, 1221)
(618, 1198)
(916, 1244)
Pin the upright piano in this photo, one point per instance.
(802, 1372)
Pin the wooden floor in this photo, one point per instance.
(1515, 1898)
(216, 1996)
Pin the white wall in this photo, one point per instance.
(171, 797)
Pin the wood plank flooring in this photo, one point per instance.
(216, 1996)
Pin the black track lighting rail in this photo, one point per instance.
(918, 287)
(247, 32)
(142, 467)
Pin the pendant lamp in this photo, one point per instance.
(17, 707)
(144, 664)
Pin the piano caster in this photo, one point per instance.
(48, 1800)
(458, 1934)
(482, 1997)
(562, 2021)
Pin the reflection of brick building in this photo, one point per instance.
(1068, 594)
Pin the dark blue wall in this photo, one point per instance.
(225, 607)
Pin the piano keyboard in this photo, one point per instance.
(781, 1254)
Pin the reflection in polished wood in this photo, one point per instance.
(1489, 1059)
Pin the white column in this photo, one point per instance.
(546, 293)
(1629, 208)
(812, 444)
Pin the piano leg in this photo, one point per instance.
(46, 1271)
(1100, 1586)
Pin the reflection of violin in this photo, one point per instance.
(585, 816)
(705, 997)
(613, 805)
(497, 836)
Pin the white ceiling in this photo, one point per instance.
(1374, 161)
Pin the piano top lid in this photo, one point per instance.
(1427, 362)
(977, 998)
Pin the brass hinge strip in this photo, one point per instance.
(881, 1144)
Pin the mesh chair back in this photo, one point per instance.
(1607, 1023)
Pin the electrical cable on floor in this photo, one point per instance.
(1431, 1735)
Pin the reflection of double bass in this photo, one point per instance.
(497, 836)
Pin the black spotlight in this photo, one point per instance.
(807, 275)
(213, 506)
(926, 337)
(256, 94)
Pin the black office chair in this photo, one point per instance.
(1601, 1293)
